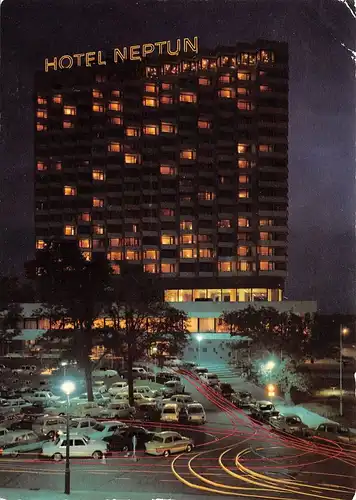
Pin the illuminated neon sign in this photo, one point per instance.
(119, 55)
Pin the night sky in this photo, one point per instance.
(322, 112)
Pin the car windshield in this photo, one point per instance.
(169, 410)
(212, 376)
(98, 427)
(293, 420)
(343, 430)
(158, 439)
(266, 407)
(194, 409)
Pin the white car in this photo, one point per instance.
(13, 406)
(82, 425)
(118, 410)
(140, 399)
(104, 372)
(211, 379)
(49, 425)
(87, 409)
(181, 399)
(173, 361)
(25, 370)
(196, 413)
(145, 390)
(22, 441)
(79, 446)
(121, 397)
(101, 399)
(291, 424)
(43, 397)
(165, 443)
(5, 436)
(105, 429)
(118, 387)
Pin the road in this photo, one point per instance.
(233, 458)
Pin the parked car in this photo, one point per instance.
(171, 412)
(335, 432)
(22, 441)
(226, 390)
(123, 440)
(118, 410)
(141, 398)
(146, 391)
(166, 443)
(199, 370)
(172, 387)
(118, 387)
(105, 429)
(82, 425)
(79, 446)
(25, 370)
(173, 361)
(101, 399)
(291, 424)
(165, 376)
(104, 372)
(120, 397)
(140, 373)
(89, 409)
(43, 397)
(148, 412)
(210, 379)
(263, 411)
(13, 406)
(243, 399)
(195, 413)
(49, 426)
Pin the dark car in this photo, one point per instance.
(123, 441)
(148, 412)
(163, 377)
(264, 411)
(226, 390)
(25, 423)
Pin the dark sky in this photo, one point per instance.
(322, 112)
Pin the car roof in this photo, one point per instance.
(166, 433)
(265, 402)
(195, 403)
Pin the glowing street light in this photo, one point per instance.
(270, 365)
(68, 387)
(199, 339)
(154, 352)
(343, 332)
(64, 364)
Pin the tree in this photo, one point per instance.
(10, 309)
(75, 291)
(142, 321)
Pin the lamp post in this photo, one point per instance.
(343, 331)
(68, 388)
(154, 351)
(199, 339)
(64, 366)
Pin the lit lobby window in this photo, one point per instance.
(115, 147)
(244, 193)
(205, 253)
(85, 216)
(168, 239)
(188, 154)
(166, 99)
(206, 325)
(204, 124)
(98, 175)
(70, 191)
(186, 225)
(168, 268)
(150, 102)
(167, 170)
(243, 164)
(116, 120)
(150, 130)
(69, 230)
(69, 110)
(41, 113)
(115, 106)
(40, 127)
(225, 267)
(132, 131)
(150, 88)
(226, 93)
(243, 222)
(266, 266)
(133, 159)
(132, 254)
(97, 94)
(98, 108)
(98, 229)
(98, 202)
(84, 243)
(204, 81)
(188, 253)
(115, 256)
(187, 97)
(41, 167)
(171, 295)
(243, 251)
(168, 128)
(187, 239)
(41, 100)
(68, 124)
(150, 268)
(150, 254)
(40, 244)
(244, 179)
(57, 99)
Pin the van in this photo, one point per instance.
(171, 412)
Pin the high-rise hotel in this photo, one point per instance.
(179, 163)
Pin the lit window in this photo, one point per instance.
(206, 196)
(151, 129)
(243, 251)
(115, 256)
(131, 242)
(242, 148)
(205, 124)
(186, 225)
(85, 216)
(244, 179)
(87, 256)
(58, 166)
(243, 222)
(245, 105)
(116, 93)
(168, 128)
(166, 99)
(57, 99)
(40, 127)
(225, 223)
(225, 79)
(266, 222)
(244, 193)
(132, 254)
(187, 239)
(168, 268)
(132, 131)
(265, 148)
(188, 154)
(243, 164)
(167, 170)
(150, 102)
(40, 244)
(98, 108)
(226, 93)
(116, 120)
(68, 124)
(266, 266)
(150, 268)
(166, 86)
(41, 100)
(97, 94)
(98, 175)
(205, 253)
(98, 202)
(114, 147)
(241, 75)
(150, 254)
(41, 166)
(98, 229)
(84, 243)
(115, 106)
(265, 88)
(115, 268)
(265, 251)
(225, 267)
(188, 253)
(151, 71)
(151, 88)
(168, 239)
(171, 69)
(131, 158)
(69, 230)
(265, 236)
(266, 56)
(187, 97)
(115, 242)
(204, 81)
(70, 191)
(167, 212)
(244, 266)
(70, 110)
(41, 113)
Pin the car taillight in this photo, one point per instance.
(1, 450)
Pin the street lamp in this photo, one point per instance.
(64, 365)
(270, 365)
(199, 339)
(154, 351)
(68, 388)
(343, 332)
